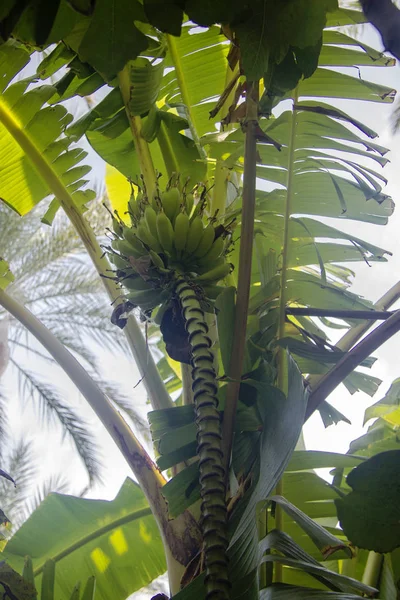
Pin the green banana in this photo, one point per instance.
(126, 248)
(118, 261)
(214, 252)
(147, 237)
(157, 260)
(189, 202)
(151, 219)
(215, 274)
(165, 232)
(181, 229)
(133, 206)
(130, 235)
(203, 268)
(171, 201)
(194, 235)
(212, 291)
(206, 241)
(148, 298)
(117, 226)
(135, 283)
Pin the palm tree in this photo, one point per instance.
(54, 279)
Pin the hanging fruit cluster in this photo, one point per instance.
(172, 257)
(168, 238)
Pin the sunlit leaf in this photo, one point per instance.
(117, 541)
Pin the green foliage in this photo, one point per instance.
(23, 587)
(113, 22)
(116, 541)
(382, 434)
(314, 162)
(28, 127)
(369, 514)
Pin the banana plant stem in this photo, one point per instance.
(152, 381)
(213, 520)
(372, 569)
(181, 536)
(244, 275)
(135, 123)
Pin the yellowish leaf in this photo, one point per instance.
(118, 191)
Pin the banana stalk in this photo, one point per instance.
(212, 474)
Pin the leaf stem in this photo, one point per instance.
(351, 360)
(222, 173)
(244, 275)
(147, 367)
(353, 335)
(135, 123)
(286, 236)
(181, 535)
(94, 535)
(370, 315)
(282, 371)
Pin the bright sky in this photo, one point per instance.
(371, 282)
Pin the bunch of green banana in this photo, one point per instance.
(168, 237)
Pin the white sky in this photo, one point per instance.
(371, 282)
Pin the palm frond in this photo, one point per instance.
(46, 245)
(21, 465)
(52, 409)
(73, 315)
(3, 425)
(126, 405)
(29, 349)
(54, 484)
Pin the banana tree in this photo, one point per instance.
(227, 159)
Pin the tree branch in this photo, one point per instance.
(244, 275)
(385, 17)
(350, 361)
(353, 335)
(371, 315)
